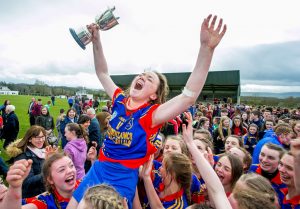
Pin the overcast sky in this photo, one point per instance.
(262, 40)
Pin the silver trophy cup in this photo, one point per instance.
(105, 21)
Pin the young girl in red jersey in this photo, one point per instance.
(137, 116)
(59, 175)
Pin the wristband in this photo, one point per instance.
(188, 92)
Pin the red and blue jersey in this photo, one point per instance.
(275, 182)
(176, 200)
(130, 138)
(129, 141)
(46, 200)
(196, 194)
(293, 203)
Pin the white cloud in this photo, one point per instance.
(162, 35)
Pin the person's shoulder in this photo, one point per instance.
(253, 168)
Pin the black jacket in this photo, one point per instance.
(10, 129)
(33, 184)
(46, 121)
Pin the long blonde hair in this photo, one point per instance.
(220, 128)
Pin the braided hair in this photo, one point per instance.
(103, 196)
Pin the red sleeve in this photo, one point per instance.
(117, 92)
(38, 203)
(146, 120)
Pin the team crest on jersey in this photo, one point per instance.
(113, 115)
(129, 124)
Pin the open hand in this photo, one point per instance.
(147, 168)
(92, 154)
(50, 150)
(210, 36)
(187, 131)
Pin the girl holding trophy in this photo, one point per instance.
(138, 115)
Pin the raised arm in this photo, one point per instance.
(212, 182)
(15, 177)
(150, 191)
(295, 149)
(100, 61)
(209, 38)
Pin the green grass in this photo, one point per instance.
(21, 102)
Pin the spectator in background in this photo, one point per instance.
(36, 109)
(2, 108)
(109, 106)
(94, 135)
(11, 125)
(96, 104)
(287, 175)
(48, 105)
(32, 146)
(84, 120)
(59, 119)
(220, 134)
(3, 168)
(53, 100)
(94, 128)
(269, 158)
(103, 119)
(71, 117)
(268, 128)
(255, 118)
(70, 101)
(251, 138)
(245, 120)
(47, 122)
(78, 107)
(29, 112)
(237, 127)
(296, 128)
(76, 148)
(282, 137)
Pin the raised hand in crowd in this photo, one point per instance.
(15, 177)
(213, 183)
(295, 150)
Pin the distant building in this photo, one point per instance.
(4, 90)
(83, 93)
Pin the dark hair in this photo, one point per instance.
(83, 118)
(33, 131)
(46, 173)
(236, 168)
(70, 110)
(79, 130)
(239, 139)
(202, 121)
(256, 112)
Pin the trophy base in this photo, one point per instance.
(77, 39)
